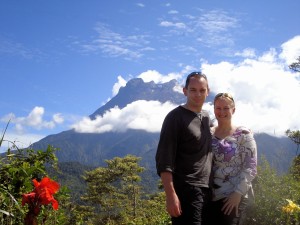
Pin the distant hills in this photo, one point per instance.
(92, 149)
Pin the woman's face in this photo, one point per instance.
(223, 109)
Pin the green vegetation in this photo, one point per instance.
(18, 168)
(271, 192)
(116, 193)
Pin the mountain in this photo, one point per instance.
(92, 149)
(137, 89)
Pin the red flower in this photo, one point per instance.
(42, 193)
(45, 190)
(28, 198)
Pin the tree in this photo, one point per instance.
(271, 193)
(114, 190)
(296, 65)
(295, 168)
(294, 136)
(115, 196)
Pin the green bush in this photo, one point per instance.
(271, 191)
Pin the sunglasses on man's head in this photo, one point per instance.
(197, 73)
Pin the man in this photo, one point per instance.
(184, 157)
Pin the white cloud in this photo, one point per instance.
(11, 48)
(140, 5)
(35, 120)
(171, 24)
(248, 52)
(265, 90)
(291, 50)
(121, 83)
(216, 21)
(20, 140)
(58, 118)
(173, 12)
(114, 44)
(145, 115)
(153, 75)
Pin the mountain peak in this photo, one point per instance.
(136, 89)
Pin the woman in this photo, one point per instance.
(234, 165)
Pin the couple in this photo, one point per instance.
(206, 171)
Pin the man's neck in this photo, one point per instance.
(193, 109)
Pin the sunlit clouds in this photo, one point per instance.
(265, 91)
(121, 83)
(291, 50)
(53, 81)
(22, 131)
(152, 75)
(114, 44)
(141, 115)
(34, 120)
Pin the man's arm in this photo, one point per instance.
(172, 201)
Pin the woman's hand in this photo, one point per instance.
(232, 202)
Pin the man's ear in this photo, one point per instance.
(184, 90)
(233, 111)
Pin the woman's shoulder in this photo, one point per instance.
(213, 129)
(244, 131)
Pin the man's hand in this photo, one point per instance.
(173, 205)
(172, 201)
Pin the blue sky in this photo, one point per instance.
(62, 60)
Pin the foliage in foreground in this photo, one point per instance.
(271, 194)
(18, 167)
(115, 194)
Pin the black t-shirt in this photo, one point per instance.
(184, 147)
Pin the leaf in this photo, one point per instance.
(6, 213)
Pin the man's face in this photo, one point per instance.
(196, 92)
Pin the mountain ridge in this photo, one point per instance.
(94, 148)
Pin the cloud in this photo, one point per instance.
(173, 12)
(147, 76)
(212, 29)
(216, 21)
(34, 120)
(264, 89)
(171, 24)
(215, 28)
(20, 140)
(113, 44)
(209, 28)
(144, 115)
(9, 47)
(153, 75)
(266, 93)
(58, 118)
(291, 50)
(246, 53)
(121, 83)
(140, 5)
